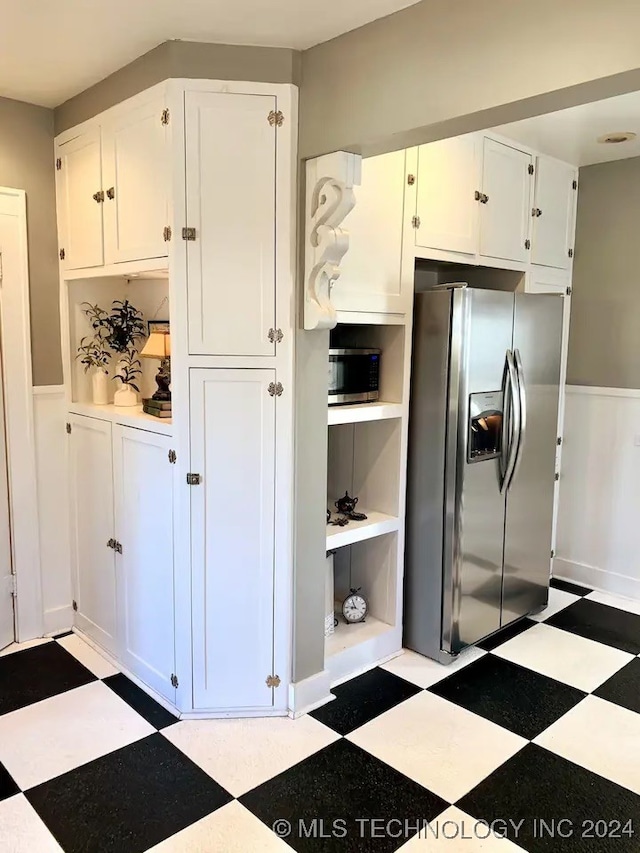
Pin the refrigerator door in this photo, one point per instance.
(481, 337)
(537, 339)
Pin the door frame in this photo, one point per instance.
(15, 332)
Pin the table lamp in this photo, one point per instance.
(158, 346)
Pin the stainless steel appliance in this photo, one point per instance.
(353, 375)
(481, 472)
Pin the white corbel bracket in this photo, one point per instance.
(330, 197)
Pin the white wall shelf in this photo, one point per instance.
(127, 416)
(376, 524)
(360, 412)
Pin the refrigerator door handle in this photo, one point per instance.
(522, 405)
(511, 419)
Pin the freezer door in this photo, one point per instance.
(481, 337)
(537, 340)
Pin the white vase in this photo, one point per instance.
(100, 387)
(125, 396)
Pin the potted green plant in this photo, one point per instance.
(94, 355)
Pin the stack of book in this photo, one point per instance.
(157, 408)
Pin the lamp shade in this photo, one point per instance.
(158, 345)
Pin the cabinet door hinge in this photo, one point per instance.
(415, 221)
(535, 211)
(527, 244)
(559, 440)
(275, 389)
(569, 291)
(570, 253)
(58, 164)
(275, 336)
(194, 479)
(556, 476)
(99, 196)
(68, 428)
(411, 179)
(164, 118)
(276, 118)
(530, 169)
(111, 193)
(74, 604)
(483, 198)
(188, 233)
(172, 457)
(166, 233)
(111, 543)
(574, 185)
(117, 547)
(14, 586)
(553, 553)
(273, 681)
(62, 254)
(174, 680)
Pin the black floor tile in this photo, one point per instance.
(7, 786)
(342, 788)
(140, 701)
(38, 673)
(623, 688)
(515, 698)
(607, 625)
(573, 588)
(536, 785)
(128, 800)
(364, 698)
(505, 634)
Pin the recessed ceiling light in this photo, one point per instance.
(614, 138)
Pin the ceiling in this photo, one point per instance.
(571, 134)
(51, 51)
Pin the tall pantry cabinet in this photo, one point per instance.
(185, 196)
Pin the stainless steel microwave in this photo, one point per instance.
(354, 375)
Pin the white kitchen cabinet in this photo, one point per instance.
(79, 200)
(553, 212)
(505, 205)
(135, 180)
(371, 275)
(232, 535)
(231, 202)
(143, 478)
(446, 207)
(92, 529)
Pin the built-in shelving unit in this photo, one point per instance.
(360, 412)
(133, 417)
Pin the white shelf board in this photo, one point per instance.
(346, 636)
(126, 415)
(376, 524)
(353, 649)
(359, 412)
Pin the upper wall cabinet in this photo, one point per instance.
(446, 207)
(371, 276)
(231, 204)
(79, 188)
(134, 176)
(505, 202)
(553, 212)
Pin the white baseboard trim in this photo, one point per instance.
(58, 620)
(310, 693)
(595, 578)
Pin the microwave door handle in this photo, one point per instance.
(511, 413)
(522, 405)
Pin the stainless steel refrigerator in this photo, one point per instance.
(481, 469)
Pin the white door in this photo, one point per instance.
(448, 178)
(232, 518)
(135, 178)
(144, 529)
(92, 529)
(80, 200)
(506, 212)
(371, 271)
(231, 184)
(7, 633)
(553, 212)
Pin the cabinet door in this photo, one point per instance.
(232, 517)
(371, 271)
(505, 216)
(135, 178)
(78, 180)
(553, 209)
(448, 177)
(144, 528)
(231, 183)
(92, 526)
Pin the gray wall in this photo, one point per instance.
(605, 308)
(26, 163)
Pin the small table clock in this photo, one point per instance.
(354, 607)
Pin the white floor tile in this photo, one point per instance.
(444, 747)
(423, 671)
(600, 736)
(22, 831)
(628, 604)
(241, 754)
(454, 831)
(58, 734)
(19, 647)
(87, 656)
(232, 829)
(566, 657)
(558, 600)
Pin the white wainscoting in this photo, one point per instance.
(53, 506)
(598, 537)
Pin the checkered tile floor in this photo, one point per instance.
(535, 735)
